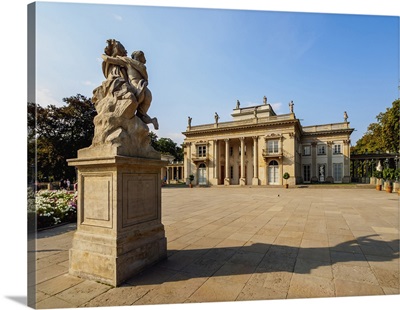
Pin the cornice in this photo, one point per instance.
(239, 127)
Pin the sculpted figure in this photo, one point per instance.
(122, 102)
(345, 116)
(291, 104)
(216, 117)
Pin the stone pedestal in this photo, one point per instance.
(119, 229)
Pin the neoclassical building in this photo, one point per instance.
(258, 146)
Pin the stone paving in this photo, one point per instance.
(244, 243)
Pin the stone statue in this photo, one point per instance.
(122, 102)
(237, 104)
(255, 112)
(291, 104)
(265, 100)
(345, 116)
(189, 121)
(216, 116)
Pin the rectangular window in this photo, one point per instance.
(321, 150)
(201, 151)
(231, 151)
(231, 172)
(307, 150)
(337, 172)
(307, 173)
(273, 146)
(337, 149)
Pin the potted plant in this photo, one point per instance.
(378, 175)
(389, 175)
(286, 176)
(191, 178)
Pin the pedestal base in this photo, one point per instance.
(119, 229)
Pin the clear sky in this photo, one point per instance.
(201, 61)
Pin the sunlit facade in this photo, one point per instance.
(258, 146)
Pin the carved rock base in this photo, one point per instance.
(119, 229)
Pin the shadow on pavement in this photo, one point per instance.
(263, 258)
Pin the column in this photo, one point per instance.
(314, 168)
(329, 177)
(188, 162)
(255, 180)
(242, 167)
(216, 162)
(168, 176)
(346, 161)
(227, 167)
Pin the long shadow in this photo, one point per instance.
(263, 258)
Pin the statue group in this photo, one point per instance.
(122, 102)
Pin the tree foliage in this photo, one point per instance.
(166, 146)
(382, 136)
(55, 134)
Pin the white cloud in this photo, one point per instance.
(44, 97)
(117, 17)
(276, 106)
(88, 83)
(177, 137)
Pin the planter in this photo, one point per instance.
(389, 189)
(190, 185)
(378, 187)
(286, 185)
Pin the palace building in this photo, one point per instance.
(258, 147)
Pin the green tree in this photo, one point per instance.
(166, 146)
(55, 134)
(389, 122)
(382, 136)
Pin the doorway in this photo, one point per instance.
(202, 174)
(273, 173)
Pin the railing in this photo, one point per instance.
(327, 127)
(267, 153)
(244, 122)
(196, 157)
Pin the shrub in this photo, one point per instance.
(377, 174)
(389, 174)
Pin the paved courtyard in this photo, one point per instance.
(243, 243)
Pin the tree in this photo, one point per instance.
(382, 136)
(166, 146)
(390, 127)
(55, 134)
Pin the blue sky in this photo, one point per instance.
(200, 61)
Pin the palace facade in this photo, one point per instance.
(258, 147)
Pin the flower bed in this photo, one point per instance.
(52, 207)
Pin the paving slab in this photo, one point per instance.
(246, 243)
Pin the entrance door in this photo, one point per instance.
(202, 174)
(273, 173)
